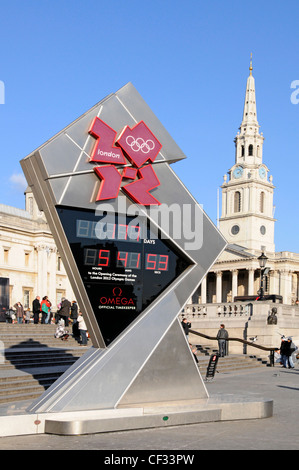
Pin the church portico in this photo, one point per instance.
(224, 285)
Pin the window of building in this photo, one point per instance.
(27, 258)
(243, 150)
(26, 298)
(263, 230)
(6, 255)
(237, 201)
(250, 150)
(235, 229)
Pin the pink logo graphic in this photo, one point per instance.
(138, 145)
(104, 149)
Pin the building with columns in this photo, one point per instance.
(29, 262)
(248, 224)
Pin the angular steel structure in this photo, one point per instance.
(130, 288)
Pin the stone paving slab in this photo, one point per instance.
(281, 431)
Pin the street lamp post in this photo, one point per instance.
(262, 261)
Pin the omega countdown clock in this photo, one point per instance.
(135, 245)
(238, 172)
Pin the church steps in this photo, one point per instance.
(32, 360)
(28, 369)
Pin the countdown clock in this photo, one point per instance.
(131, 275)
(122, 271)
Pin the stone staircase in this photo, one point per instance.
(31, 359)
(230, 363)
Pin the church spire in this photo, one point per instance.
(250, 67)
(249, 112)
(249, 142)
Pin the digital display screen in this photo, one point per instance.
(123, 263)
(107, 231)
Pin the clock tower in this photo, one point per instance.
(247, 191)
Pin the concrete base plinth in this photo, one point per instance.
(216, 408)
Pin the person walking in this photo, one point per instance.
(36, 309)
(83, 329)
(222, 337)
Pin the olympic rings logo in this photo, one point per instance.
(140, 144)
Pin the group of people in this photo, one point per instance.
(42, 313)
(67, 312)
(287, 348)
(284, 355)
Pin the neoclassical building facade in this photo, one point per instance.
(29, 261)
(247, 222)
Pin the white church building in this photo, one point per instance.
(247, 222)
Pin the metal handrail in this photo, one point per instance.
(250, 343)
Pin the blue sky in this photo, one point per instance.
(189, 60)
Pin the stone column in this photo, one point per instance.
(274, 282)
(251, 281)
(218, 287)
(234, 284)
(286, 285)
(204, 290)
(42, 273)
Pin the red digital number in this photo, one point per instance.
(163, 263)
(151, 261)
(122, 258)
(135, 261)
(156, 262)
(104, 258)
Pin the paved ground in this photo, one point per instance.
(281, 432)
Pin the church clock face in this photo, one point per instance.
(262, 172)
(238, 172)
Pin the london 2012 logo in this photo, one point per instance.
(127, 158)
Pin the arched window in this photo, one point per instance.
(237, 201)
(250, 150)
(243, 151)
(262, 201)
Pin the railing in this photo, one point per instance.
(249, 343)
(223, 309)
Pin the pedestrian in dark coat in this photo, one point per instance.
(186, 327)
(64, 311)
(36, 309)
